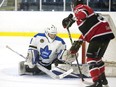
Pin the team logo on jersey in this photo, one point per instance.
(45, 52)
(42, 40)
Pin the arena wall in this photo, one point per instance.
(33, 21)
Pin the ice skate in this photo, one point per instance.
(104, 80)
(96, 84)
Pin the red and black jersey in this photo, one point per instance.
(92, 26)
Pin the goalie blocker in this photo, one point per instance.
(75, 46)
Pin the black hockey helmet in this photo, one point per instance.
(76, 2)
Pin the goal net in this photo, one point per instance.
(110, 21)
(109, 59)
(2, 3)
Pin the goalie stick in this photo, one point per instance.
(48, 72)
(51, 74)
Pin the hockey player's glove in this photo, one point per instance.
(68, 21)
(75, 46)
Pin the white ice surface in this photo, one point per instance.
(9, 68)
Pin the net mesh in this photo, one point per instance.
(110, 21)
(1, 2)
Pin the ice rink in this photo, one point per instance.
(9, 68)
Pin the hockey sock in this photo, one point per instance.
(102, 72)
(93, 68)
(101, 66)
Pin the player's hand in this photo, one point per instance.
(75, 46)
(68, 21)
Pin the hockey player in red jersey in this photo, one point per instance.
(97, 32)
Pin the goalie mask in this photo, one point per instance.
(51, 32)
(74, 3)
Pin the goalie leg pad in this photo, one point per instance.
(31, 58)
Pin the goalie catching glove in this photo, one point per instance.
(75, 46)
(68, 21)
(68, 57)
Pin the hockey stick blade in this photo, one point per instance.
(74, 74)
(48, 72)
(105, 85)
(52, 75)
(65, 73)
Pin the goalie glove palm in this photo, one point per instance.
(68, 57)
(75, 46)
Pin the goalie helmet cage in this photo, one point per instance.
(110, 66)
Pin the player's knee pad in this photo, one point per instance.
(92, 65)
(101, 63)
(92, 62)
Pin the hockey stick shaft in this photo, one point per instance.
(15, 51)
(75, 55)
(73, 74)
(42, 68)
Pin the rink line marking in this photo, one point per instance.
(31, 34)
